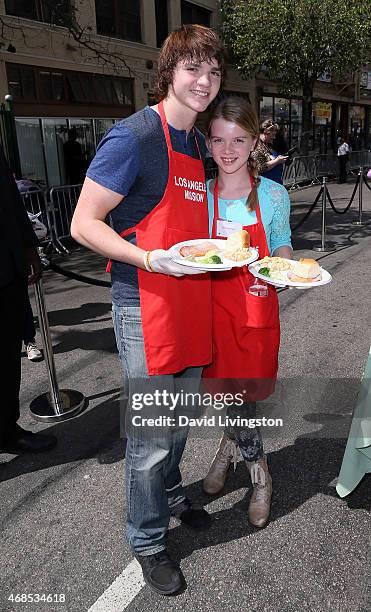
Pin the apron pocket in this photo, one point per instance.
(262, 312)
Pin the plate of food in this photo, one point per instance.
(281, 272)
(215, 254)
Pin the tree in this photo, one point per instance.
(295, 41)
(64, 13)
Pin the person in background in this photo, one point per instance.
(343, 157)
(74, 161)
(269, 162)
(19, 261)
(148, 175)
(246, 327)
(29, 331)
(280, 144)
(29, 334)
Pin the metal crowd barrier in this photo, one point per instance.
(358, 159)
(63, 202)
(36, 202)
(56, 208)
(312, 168)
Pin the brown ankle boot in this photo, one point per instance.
(260, 502)
(227, 452)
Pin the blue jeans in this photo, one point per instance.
(153, 480)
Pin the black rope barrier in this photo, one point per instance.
(309, 212)
(78, 277)
(366, 182)
(341, 212)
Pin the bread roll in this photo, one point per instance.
(237, 240)
(306, 271)
(307, 268)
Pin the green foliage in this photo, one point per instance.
(296, 41)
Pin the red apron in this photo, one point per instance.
(246, 328)
(175, 312)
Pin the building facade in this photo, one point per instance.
(73, 67)
(71, 91)
(339, 109)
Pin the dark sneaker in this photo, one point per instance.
(161, 573)
(197, 518)
(23, 441)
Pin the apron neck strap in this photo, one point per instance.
(165, 127)
(216, 207)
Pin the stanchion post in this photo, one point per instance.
(57, 405)
(360, 197)
(322, 248)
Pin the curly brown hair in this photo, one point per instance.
(188, 43)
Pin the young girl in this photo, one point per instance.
(245, 325)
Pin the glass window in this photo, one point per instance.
(118, 18)
(21, 8)
(105, 14)
(28, 83)
(101, 126)
(76, 90)
(281, 110)
(84, 136)
(128, 14)
(86, 82)
(296, 122)
(57, 11)
(58, 86)
(100, 90)
(266, 108)
(21, 81)
(54, 131)
(46, 85)
(161, 21)
(30, 148)
(14, 82)
(192, 13)
(127, 88)
(67, 87)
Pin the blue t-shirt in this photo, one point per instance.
(132, 161)
(274, 205)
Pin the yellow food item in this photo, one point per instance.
(276, 264)
(238, 254)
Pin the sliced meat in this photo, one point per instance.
(197, 250)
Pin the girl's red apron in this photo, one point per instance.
(175, 312)
(246, 328)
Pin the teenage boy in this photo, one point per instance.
(148, 176)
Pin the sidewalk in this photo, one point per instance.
(63, 513)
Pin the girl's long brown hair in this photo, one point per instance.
(239, 111)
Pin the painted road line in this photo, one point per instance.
(122, 591)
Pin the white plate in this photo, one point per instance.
(325, 277)
(227, 264)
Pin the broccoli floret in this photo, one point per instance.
(264, 271)
(215, 259)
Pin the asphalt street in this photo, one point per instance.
(63, 512)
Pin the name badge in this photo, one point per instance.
(225, 228)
